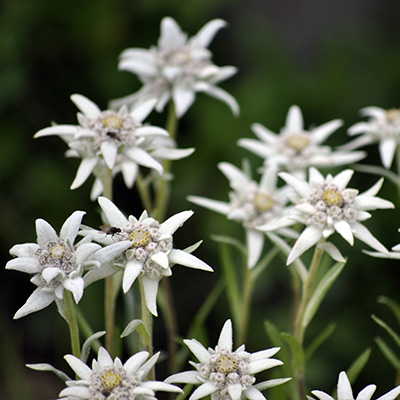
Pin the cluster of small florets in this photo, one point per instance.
(57, 255)
(225, 368)
(258, 206)
(331, 204)
(145, 238)
(113, 382)
(296, 146)
(110, 125)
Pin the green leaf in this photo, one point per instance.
(231, 241)
(319, 340)
(186, 391)
(88, 343)
(320, 292)
(297, 352)
(394, 306)
(357, 366)
(136, 325)
(388, 353)
(49, 368)
(388, 329)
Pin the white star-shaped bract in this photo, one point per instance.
(116, 140)
(226, 374)
(252, 204)
(110, 379)
(345, 392)
(295, 149)
(151, 253)
(326, 206)
(383, 128)
(56, 263)
(177, 68)
(394, 254)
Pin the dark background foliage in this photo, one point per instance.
(330, 58)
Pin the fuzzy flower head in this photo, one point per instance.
(383, 128)
(345, 392)
(151, 252)
(109, 379)
(295, 149)
(226, 374)
(325, 206)
(251, 203)
(55, 263)
(114, 140)
(177, 68)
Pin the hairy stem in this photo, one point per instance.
(72, 323)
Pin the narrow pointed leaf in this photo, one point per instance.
(389, 354)
(388, 329)
(319, 340)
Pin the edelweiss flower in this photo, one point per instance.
(109, 139)
(177, 68)
(110, 379)
(345, 392)
(383, 128)
(296, 149)
(56, 263)
(251, 203)
(151, 253)
(325, 205)
(226, 374)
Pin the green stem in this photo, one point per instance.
(109, 297)
(144, 192)
(245, 306)
(147, 319)
(72, 323)
(398, 169)
(86, 329)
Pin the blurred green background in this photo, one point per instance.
(330, 58)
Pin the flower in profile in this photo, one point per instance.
(226, 374)
(252, 204)
(114, 140)
(383, 128)
(325, 206)
(177, 68)
(151, 252)
(295, 149)
(345, 392)
(56, 263)
(110, 379)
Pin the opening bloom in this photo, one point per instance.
(177, 68)
(345, 392)
(383, 127)
(151, 252)
(55, 263)
(115, 140)
(226, 374)
(295, 149)
(326, 206)
(252, 204)
(110, 379)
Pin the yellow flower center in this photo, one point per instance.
(332, 197)
(140, 237)
(180, 57)
(263, 202)
(298, 141)
(393, 114)
(57, 251)
(226, 364)
(112, 121)
(110, 380)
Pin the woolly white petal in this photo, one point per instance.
(344, 230)
(36, 301)
(107, 254)
(206, 34)
(75, 286)
(79, 367)
(183, 98)
(24, 264)
(132, 271)
(109, 151)
(141, 111)
(104, 359)
(49, 273)
(235, 391)
(255, 243)
(343, 178)
(261, 365)
(85, 168)
(135, 362)
(143, 66)
(225, 337)
(90, 109)
(171, 34)
(299, 185)
(198, 350)
(264, 133)
(71, 226)
(150, 288)
(204, 390)
(262, 354)
(188, 260)
(344, 390)
(45, 233)
(322, 132)
(307, 239)
(60, 130)
(322, 395)
(169, 226)
(387, 150)
(294, 119)
(184, 377)
(253, 393)
(366, 393)
(143, 158)
(164, 386)
(161, 259)
(151, 131)
(363, 234)
(113, 215)
(255, 147)
(390, 395)
(214, 205)
(75, 392)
